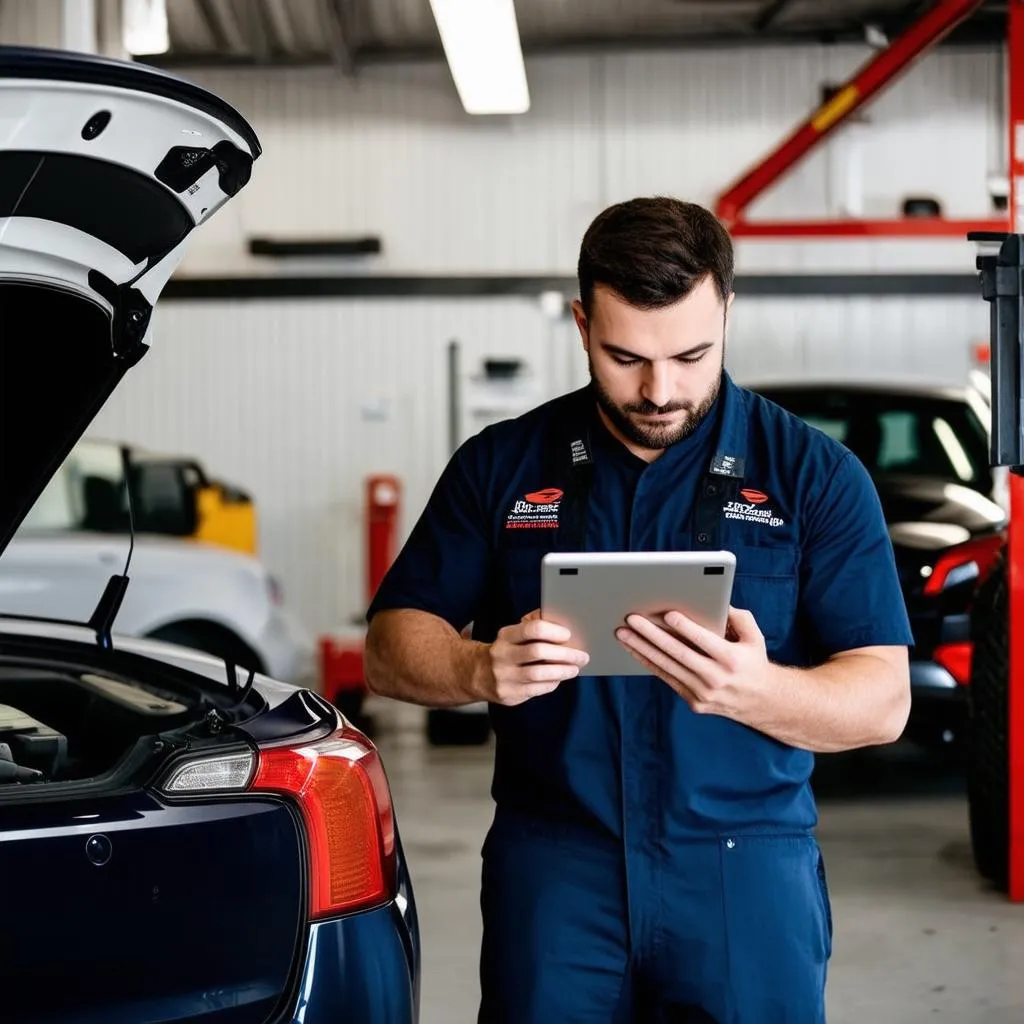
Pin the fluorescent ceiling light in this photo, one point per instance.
(481, 42)
(144, 26)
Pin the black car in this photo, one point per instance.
(180, 840)
(926, 449)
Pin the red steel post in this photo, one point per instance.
(1015, 739)
(872, 77)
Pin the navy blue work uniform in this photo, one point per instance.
(646, 863)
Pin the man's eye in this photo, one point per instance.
(625, 362)
(693, 359)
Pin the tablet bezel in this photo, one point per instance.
(621, 583)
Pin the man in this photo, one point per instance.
(652, 855)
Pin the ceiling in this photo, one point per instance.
(352, 33)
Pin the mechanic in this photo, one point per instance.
(652, 855)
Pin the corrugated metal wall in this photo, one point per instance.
(391, 153)
(300, 400)
(30, 23)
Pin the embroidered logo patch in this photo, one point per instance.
(546, 497)
(754, 497)
(752, 509)
(537, 510)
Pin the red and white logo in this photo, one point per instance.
(753, 508)
(754, 497)
(537, 510)
(548, 496)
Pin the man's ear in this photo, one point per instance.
(581, 323)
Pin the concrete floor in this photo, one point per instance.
(918, 935)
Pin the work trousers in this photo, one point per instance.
(730, 930)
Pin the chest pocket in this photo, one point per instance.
(521, 572)
(766, 584)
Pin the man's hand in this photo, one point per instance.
(715, 675)
(530, 659)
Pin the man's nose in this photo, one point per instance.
(658, 386)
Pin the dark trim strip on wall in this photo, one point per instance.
(777, 286)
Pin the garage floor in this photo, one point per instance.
(918, 936)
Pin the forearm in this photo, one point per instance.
(418, 658)
(855, 700)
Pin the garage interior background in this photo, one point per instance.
(337, 367)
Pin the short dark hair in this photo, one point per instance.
(653, 252)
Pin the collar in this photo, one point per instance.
(730, 447)
(730, 454)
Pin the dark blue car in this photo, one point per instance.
(180, 840)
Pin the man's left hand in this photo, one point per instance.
(729, 676)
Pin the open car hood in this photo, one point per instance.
(106, 167)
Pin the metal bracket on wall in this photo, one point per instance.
(870, 80)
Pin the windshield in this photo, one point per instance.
(899, 434)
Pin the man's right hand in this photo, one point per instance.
(530, 659)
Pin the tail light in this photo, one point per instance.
(339, 785)
(956, 660)
(970, 561)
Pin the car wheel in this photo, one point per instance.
(987, 753)
(457, 728)
(211, 639)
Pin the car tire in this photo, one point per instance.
(211, 639)
(457, 728)
(987, 751)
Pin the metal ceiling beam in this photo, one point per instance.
(771, 10)
(212, 24)
(337, 18)
(978, 31)
(281, 25)
(252, 20)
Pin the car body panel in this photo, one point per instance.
(62, 575)
(127, 902)
(928, 515)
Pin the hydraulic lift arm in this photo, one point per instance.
(1002, 281)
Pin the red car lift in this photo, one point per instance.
(732, 203)
(1015, 737)
(871, 79)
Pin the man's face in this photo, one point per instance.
(656, 373)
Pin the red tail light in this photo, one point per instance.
(956, 660)
(342, 791)
(972, 560)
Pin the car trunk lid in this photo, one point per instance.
(106, 168)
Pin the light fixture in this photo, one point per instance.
(481, 43)
(144, 26)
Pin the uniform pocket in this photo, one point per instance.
(766, 585)
(826, 903)
(777, 931)
(522, 576)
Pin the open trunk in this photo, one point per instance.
(147, 906)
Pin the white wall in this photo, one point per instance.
(391, 153)
(299, 401)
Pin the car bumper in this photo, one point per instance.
(360, 968)
(938, 704)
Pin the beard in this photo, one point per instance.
(652, 436)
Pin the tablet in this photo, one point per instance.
(592, 593)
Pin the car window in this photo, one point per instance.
(915, 435)
(86, 493)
